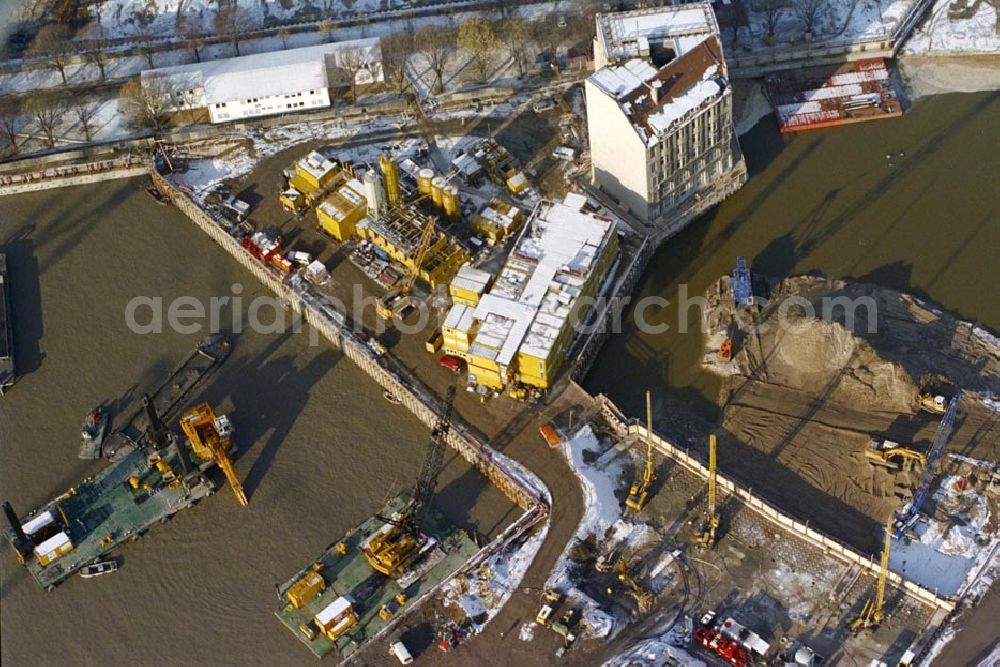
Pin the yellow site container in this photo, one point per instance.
(305, 589)
(437, 191)
(452, 203)
(424, 178)
(390, 173)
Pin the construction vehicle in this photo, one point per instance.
(873, 612)
(911, 509)
(638, 494)
(210, 437)
(392, 300)
(711, 523)
(642, 597)
(392, 547)
(934, 403)
(550, 601)
(891, 454)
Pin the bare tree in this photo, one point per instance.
(53, 44)
(96, 56)
(147, 44)
(45, 109)
(326, 26)
(353, 61)
(147, 104)
(477, 38)
(10, 122)
(396, 49)
(548, 34)
(283, 36)
(85, 112)
(191, 32)
(516, 36)
(233, 22)
(808, 11)
(773, 11)
(437, 45)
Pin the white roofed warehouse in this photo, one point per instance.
(660, 113)
(268, 83)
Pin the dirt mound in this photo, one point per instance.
(828, 366)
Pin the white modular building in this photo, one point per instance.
(263, 84)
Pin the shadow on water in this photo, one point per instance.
(26, 301)
(779, 257)
(459, 496)
(271, 415)
(75, 218)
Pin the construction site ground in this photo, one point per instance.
(798, 449)
(800, 405)
(771, 581)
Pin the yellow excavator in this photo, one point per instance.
(873, 613)
(389, 549)
(891, 454)
(642, 596)
(210, 436)
(707, 536)
(387, 306)
(638, 494)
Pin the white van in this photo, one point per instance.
(401, 652)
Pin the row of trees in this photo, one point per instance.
(40, 115)
(486, 42)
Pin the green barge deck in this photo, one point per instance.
(142, 485)
(104, 511)
(350, 575)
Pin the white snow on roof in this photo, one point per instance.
(625, 34)
(316, 165)
(51, 545)
(39, 522)
(623, 79)
(533, 296)
(268, 74)
(678, 107)
(333, 610)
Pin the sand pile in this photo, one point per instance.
(825, 372)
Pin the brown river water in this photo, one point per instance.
(320, 447)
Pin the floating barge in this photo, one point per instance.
(339, 602)
(818, 97)
(153, 476)
(7, 375)
(167, 398)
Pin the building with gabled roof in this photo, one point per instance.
(660, 111)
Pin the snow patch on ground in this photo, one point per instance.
(940, 34)
(659, 651)
(949, 557)
(481, 594)
(602, 517)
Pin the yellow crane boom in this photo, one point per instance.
(210, 436)
(638, 494)
(873, 612)
(386, 305)
(707, 537)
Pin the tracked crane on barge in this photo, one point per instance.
(210, 436)
(393, 546)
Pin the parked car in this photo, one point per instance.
(543, 104)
